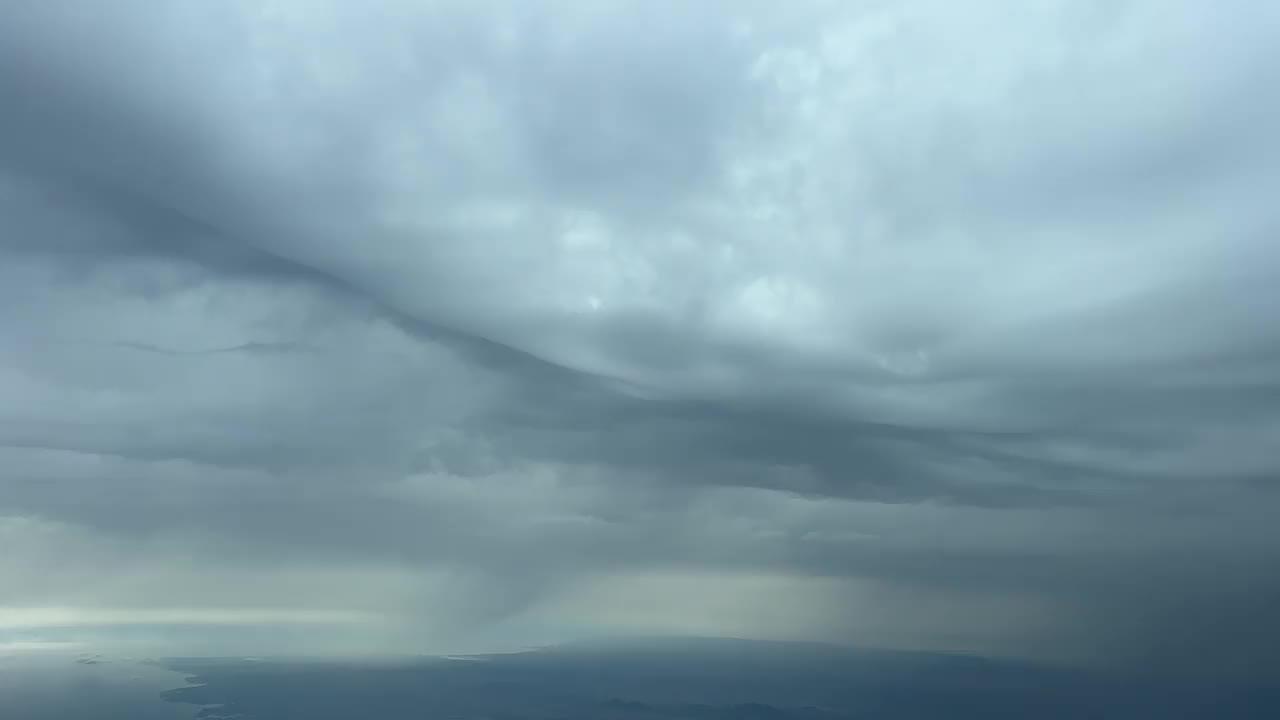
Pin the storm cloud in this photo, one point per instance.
(454, 325)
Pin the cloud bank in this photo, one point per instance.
(461, 324)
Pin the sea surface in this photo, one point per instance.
(72, 686)
(651, 680)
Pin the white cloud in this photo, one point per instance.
(512, 297)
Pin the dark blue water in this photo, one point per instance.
(699, 680)
(658, 680)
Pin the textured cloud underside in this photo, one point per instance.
(923, 323)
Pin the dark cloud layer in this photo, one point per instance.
(909, 324)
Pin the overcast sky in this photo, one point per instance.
(443, 326)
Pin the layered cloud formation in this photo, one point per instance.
(920, 324)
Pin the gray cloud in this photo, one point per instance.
(469, 321)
